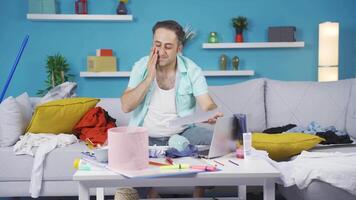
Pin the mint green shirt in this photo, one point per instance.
(190, 82)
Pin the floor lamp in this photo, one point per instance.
(328, 59)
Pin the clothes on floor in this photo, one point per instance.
(45, 143)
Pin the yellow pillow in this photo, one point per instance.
(284, 145)
(60, 116)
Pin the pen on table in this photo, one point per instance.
(169, 160)
(208, 162)
(218, 162)
(234, 163)
(157, 163)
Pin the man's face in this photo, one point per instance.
(166, 41)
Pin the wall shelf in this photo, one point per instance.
(206, 73)
(76, 17)
(252, 45)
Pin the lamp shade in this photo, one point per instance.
(328, 74)
(328, 44)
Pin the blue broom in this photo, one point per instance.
(23, 45)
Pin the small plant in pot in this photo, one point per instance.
(240, 24)
(57, 72)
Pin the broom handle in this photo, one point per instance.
(23, 45)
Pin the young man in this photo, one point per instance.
(166, 85)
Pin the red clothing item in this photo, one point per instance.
(94, 125)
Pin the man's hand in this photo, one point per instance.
(132, 97)
(152, 63)
(213, 119)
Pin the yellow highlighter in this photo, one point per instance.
(177, 166)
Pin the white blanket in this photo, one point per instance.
(337, 169)
(45, 144)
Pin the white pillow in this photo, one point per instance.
(11, 122)
(26, 108)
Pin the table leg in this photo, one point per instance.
(242, 192)
(83, 192)
(269, 190)
(100, 194)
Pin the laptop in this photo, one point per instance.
(223, 141)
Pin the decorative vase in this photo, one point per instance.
(213, 37)
(239, 36)
(81, 7)
(235, 63)
(223, 62)
(121, 9)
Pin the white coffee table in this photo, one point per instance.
(253, 171)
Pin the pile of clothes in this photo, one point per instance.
(330, 134)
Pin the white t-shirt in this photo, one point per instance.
(161, 110)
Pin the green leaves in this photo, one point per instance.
(239, 22)
(57, 72)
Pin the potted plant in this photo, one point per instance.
(240, 24)
(57, 72)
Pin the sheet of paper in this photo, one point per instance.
(155, 171)
(191, 119)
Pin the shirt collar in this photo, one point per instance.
(182, 68)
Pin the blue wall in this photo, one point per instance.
(131, 40)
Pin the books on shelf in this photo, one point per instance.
(104, 52)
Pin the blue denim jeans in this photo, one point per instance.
(195, 134)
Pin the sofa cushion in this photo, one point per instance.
(26, 108)
(60, 116)
(113, 107)
(246, 98)
(11, 122)
(351, 111)
(284, 145)
(58, 163)
(303, 102)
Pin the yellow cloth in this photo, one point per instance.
(60, 116)
(284, 145)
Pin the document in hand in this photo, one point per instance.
(194, 118)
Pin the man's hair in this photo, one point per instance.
(173, 26)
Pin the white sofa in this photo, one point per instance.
(267, 103)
